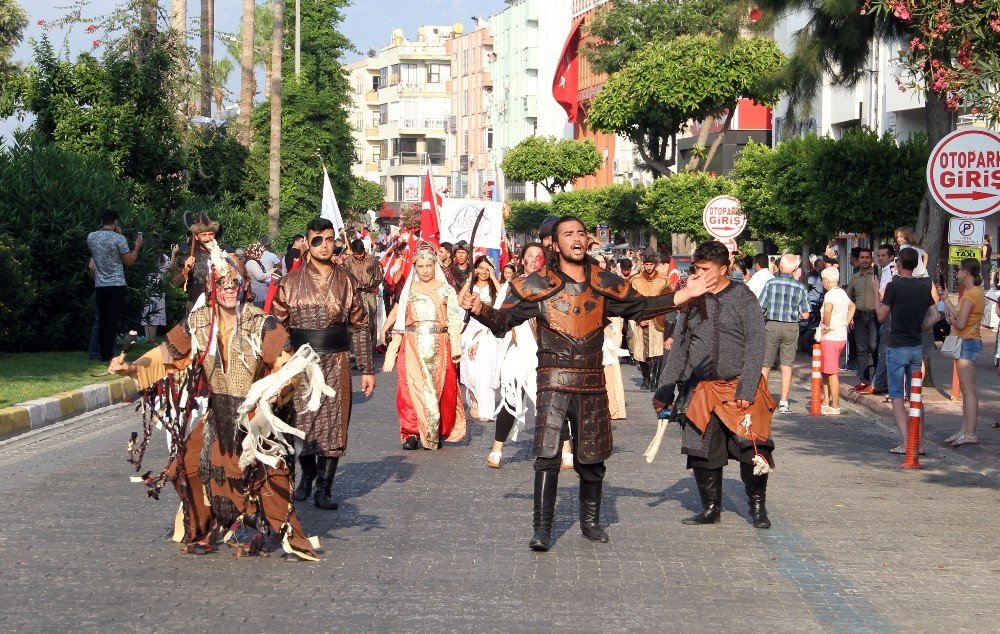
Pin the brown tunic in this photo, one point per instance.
(646, 342)
(368, 273)
(307, 299)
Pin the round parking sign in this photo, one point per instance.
(723, 218)
(963, 173)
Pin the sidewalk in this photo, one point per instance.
(942, 416)
(42, 412)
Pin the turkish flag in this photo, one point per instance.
(429, 203)
(566, 80)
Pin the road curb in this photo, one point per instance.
(42, 412)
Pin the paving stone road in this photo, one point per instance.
(436, 542)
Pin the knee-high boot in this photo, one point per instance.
(709, 483)
(327, 469)
(655, 366)
(644, 368)
(756, 487)
(546, 485)
(590, 511)
(306, 478)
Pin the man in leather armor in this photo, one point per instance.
(571, 303)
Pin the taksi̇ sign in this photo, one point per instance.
(963, 232)
(723, 218)
(963, 173)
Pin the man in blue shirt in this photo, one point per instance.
(109, 249)
(785, 302)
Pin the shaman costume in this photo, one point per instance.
(368, 273)
(645, 338)
(227, 473)
(325, 311)
(426, 333)
(571, 317)
(716, 359)
(195, 281)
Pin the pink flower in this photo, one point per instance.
(995, 25)
(91, 28)
(95, 43)
(41, 23)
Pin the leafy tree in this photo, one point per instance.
(690, 77)
(837, 42)
(217, 163)
(621, 30)
(614, 205)
(526, 215)
(13, 21)
(314, 123)
(581, 203)
(675, 205)
(117, 108)
(550, 162)
(366, 195)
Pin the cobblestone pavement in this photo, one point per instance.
(437, 541)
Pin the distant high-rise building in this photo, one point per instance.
(469, 128)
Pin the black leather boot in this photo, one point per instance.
(327, 469)
(546, 485)
(306, 478)
(710, 489)
(590, 512)
(644, 368)
(654, 373)
(756, 487)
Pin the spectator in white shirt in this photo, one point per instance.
(761, 274)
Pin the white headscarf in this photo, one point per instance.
(424, 250)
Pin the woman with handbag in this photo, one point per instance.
(966, 320)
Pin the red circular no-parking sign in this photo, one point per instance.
(963, 173)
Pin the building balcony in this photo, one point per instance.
(530, 106)
(372, 166)
(531, 58)
(371, 97)
(372, 132)
(422, 88)
(419, 159)
(422, 127)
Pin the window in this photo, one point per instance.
(383, 77)
(383, 113)
(437, 73)
(488, 139)
(465, 102)
(436, 151)
(465, 62)
(465, 142)
(409, 74)
(376, 156)
(376, 80)
(404, 146)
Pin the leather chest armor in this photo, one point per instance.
(570, 340)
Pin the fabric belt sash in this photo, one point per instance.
(322, 340)
(429, 329)
(579, 380)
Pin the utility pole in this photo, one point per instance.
(298, 37)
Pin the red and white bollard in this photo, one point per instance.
(912, 460)
(816, 396)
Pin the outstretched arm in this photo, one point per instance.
(512, 313)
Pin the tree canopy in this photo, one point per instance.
(550, 162)
(670, 83)
(675, 205)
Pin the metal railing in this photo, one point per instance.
(416, 158)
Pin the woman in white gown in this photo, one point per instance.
(479, 370)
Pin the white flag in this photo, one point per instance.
(330, 209)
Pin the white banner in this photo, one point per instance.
(458, 215)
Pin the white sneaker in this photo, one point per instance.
(783, 407)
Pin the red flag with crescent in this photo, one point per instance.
(566, 81)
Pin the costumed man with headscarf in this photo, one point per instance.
(193, 277)
(368, 272)
(426, 343)
(571, 303)
(230, 466)
(645, 337)
(320, 305)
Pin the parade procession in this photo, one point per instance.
(372, 316)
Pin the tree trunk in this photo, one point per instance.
(274, 160)
(178, 28)
(246, 73)
(931, 223)
(219, 105)
(267, 81)
(207, 57)
(718, 139)
(706, 129)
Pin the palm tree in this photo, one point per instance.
(263, 28)
(246, 71)
(13, 21)
(178, 29)
(274, 158)
(840, 43)
(207, 28)
(221, 70)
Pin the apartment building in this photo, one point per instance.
(363, 76)
(470, 130)
(527, 40)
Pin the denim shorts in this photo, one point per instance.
(900, 364)
(971, 349)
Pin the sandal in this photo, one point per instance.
(494, 460)
(901, 451)
(964, 439)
